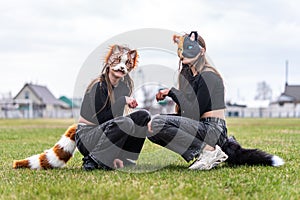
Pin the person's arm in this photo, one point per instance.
(196, 102)
(188, 107)
(114, 110)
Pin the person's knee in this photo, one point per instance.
(156, 132)
(144, 113)
(157, 123)
(125, 124)
(141, 117)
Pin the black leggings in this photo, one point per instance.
(121, 137)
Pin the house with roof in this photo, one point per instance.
(8, 109)
(73, 103)
(37, 101)
(291, 94)
(288, 103)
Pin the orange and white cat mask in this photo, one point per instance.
(121, 58)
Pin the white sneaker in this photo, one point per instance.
(209, 159)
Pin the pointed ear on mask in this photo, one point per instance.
(114, 50)
(179, 41)
(134, 56)
(176, 39)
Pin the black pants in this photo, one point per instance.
(185, 136)
(121, 137)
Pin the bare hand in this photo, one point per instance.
(149, 126)
(118, 163)
(161, 95)
(131, 102)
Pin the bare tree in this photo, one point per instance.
(263, 91)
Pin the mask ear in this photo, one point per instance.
(133, 55)
(114, 50)
(179, 41)
(176, 39)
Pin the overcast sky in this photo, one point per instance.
(47, 42)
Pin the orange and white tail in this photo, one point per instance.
(56, 157)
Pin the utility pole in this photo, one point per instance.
(286, 72)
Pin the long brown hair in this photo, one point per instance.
(202, 65)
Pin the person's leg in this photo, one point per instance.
(215, 132)
(189, 138)
(81, 129)
(215, 137)
(135, 140)
(178, 134)
(86, 139)
(140, 117)
(102, 144)
(111, 143)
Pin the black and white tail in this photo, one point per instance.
(237, 155)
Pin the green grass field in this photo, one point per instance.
(160, 174)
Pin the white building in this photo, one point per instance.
(288, 103)
(37, 101)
